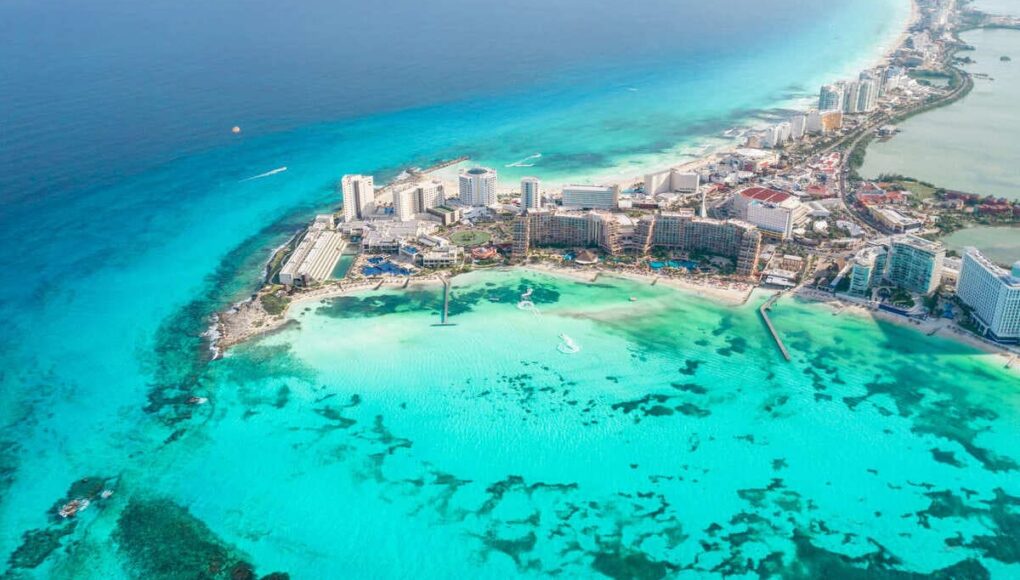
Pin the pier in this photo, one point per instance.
(763, 310)
(445, 315)
(414, 175)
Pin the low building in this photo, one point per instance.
(387, 236)
(447, 215)
(441, 257)
(894, 221)
(314, 258)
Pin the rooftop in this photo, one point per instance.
(1010, 277)
(765, 194)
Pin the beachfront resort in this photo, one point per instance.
(783, 209)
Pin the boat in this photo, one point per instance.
(198, 400)
(106, 493)
(568, 346)
(71, 508)
(633, 298)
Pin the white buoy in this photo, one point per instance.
(236, 130)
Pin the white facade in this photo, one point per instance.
(774, 212)
(993, 293)
(685, 182)
(314, 258)
(814, 122)
(672, 181)
(403, 203)
(358, 197)
(798, 126)
(531, 196)
(591, 196)
(478, 187)
(428, 195)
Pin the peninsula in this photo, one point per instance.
(784, 210)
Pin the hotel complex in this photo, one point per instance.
(316, 254)
(915, 264)
(617, 234)
(907, 261)
(775, 212)
(993, 294)
(591, 196)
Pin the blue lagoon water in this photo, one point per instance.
(360, 440)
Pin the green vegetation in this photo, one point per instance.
(470, 238)
(856, 159)
(901, 298)
(274, 304)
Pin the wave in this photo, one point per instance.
(266, 174)
(524, 162)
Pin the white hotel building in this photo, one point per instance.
(993, 293)
(531, 196)
(478, 187)
(774, 212)
(591, 196)
(358, 197)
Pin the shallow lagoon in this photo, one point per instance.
(969, 145)
(363, 440)
(1001, 244)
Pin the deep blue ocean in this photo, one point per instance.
(127, 216)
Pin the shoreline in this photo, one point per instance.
(253, 322)
(704, 148)
(942, 327)
(247, 319)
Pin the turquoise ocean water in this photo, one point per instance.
(361, 441)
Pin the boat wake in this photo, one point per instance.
(568, 346)
(526, 304)
(266, 174)
(524, 162)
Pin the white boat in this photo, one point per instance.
(568, 346)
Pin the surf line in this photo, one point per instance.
(266, 174)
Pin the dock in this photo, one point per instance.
(445, 314)
(763, 310)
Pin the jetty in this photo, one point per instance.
(445, 314)
(763, 311)
(413, 175)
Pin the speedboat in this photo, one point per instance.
(568, 346)
(71, 508)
